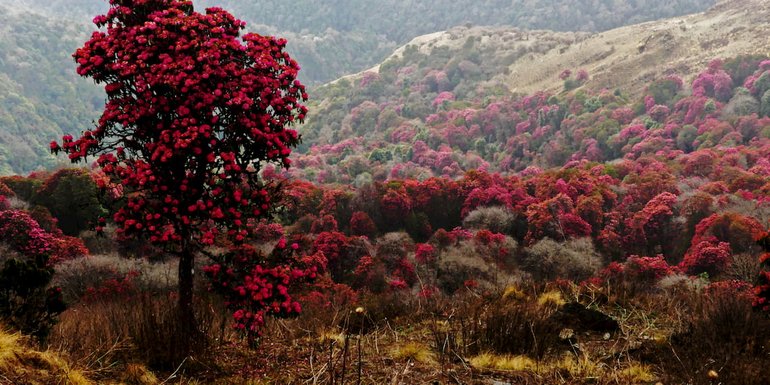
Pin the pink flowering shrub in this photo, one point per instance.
(26, 301)
(646, 269)
(714, 82)
(254, 287)
(425, 253)
(708, 256)
(23, 234)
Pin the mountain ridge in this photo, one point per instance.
(618, 57)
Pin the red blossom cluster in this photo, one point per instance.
(256, 286)
(20, 232)
(122, 287)
(191, 113)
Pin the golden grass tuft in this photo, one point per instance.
(483, 361)
(137, 374)
(414, 351)
(636, 372)
(329, 337)
(503, 362)
(551, 298)
(513, 292)
(18, 362)
(578, 367)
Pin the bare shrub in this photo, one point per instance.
(681, 282)
(143, 329)
(463, 263)
(394, 246)
(721, 333)
(495, 219)
(744, 267)
(574, 259)
(100, 243)
(16, 203)
(76, 276)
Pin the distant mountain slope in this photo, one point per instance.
(492, 98)
(628, 56)
(334, 38)
(41, 96)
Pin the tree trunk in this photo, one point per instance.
(187, 326)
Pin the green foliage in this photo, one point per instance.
(72, 197)
(41, 97)
(24, 188)
(664, 91)
(743, 66)
(764, 109)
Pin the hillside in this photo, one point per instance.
(631, 56)
(602, 220)
(627, 56)
(334, 39)
(41, 96)
(436, 89)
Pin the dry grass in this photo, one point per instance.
(19, 364)
(470, 340)
(104, 336)
(503, 362)
(636, 373)
(551, 298)
(414, 351)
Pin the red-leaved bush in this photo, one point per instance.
(646, 269)
(425, 253)
(363, 225)
(762, 290)
(709, 256)
(23, 234)
(255, 285)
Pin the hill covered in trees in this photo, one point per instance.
(602, 221)
(40, 94)
(43, 97)
(471, 97)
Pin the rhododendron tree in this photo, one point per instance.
(193, 111)
(647, 269)
(363, 225)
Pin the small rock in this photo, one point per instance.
(606, 336)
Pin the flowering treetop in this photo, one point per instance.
(193, 110)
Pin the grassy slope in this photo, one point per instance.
(628, 56)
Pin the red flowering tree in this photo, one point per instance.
(194, 110)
